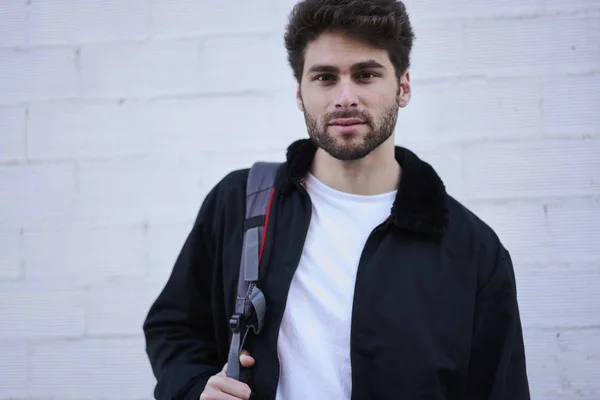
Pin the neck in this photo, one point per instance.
(377, 173)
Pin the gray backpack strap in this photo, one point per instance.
(250, 304)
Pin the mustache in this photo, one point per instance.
(348, 114)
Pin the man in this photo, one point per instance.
(379, 284)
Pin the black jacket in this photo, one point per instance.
(435, 312)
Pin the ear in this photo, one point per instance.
(299, 100)
(404, 90)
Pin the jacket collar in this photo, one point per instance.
(420, 204)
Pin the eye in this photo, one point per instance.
(365, 75)
(324, 77)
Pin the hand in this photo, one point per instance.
(220, 387)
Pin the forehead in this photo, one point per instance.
(342, 51)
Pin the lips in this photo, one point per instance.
(347, 121)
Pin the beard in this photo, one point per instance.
(345, 148)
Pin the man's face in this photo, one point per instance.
(349, 94)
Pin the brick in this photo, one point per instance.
(417, 8)
(155, 189)
(84, 254)
(502, 7)
(447, 161)
(559, 295)
(141, 69)
(438, 43)
(543, 368)
(164, 242)
(569, 5)
(479, 109)
(12, 140)
(579, 357)
(38, 74)
(284, 8)
(529, 45)
(490, 109)
(521, 227)
(11, 253)
(581, 116)
(13, 27)
(67, 22)
(562, 363)
(36, 312)
(217, 165)
(13, 369)
(242, 64)
(91, 368)
(36, 192)
(462, 8)
(573, 230)
(289, 121)
(119, 309)
(79, 130)
(236, 123)
(530, 169)
(189, 18)
(138, 189)
(165, 239)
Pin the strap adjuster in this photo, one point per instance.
(235, 322)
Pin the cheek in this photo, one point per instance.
(315, 112)
(315, 101)
(384, 107)
(315, 109)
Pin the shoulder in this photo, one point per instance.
(233, 181)
(469, 234)
(463, 220)
(225, 200)
(229, 187)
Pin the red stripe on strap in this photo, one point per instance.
(264, 235)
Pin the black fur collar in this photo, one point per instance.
(420, 204)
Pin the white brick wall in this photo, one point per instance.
(140, 69)
(78, 249)
(13, 369)
(190, 18)
(12, 140)
(11, 253)
(69, 22)
(36, 192)
(94, 368)
(117, 117)
(33, 311)
(29, 74)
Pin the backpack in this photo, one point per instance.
(250, 304)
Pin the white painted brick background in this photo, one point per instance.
(117, 117)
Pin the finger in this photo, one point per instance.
(247, 361)
(217, 395)
(232, 387)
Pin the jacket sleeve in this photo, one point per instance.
(497, 368)
(178, 329)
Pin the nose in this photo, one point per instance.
(346, 97)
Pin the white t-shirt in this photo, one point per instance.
(314, 338)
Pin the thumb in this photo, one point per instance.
(246, 359)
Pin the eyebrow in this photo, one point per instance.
(371, 64)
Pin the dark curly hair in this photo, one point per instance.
(382, 23)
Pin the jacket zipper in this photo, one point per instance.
(377, 229)
(303, 190)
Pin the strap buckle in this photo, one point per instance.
(235, 322)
